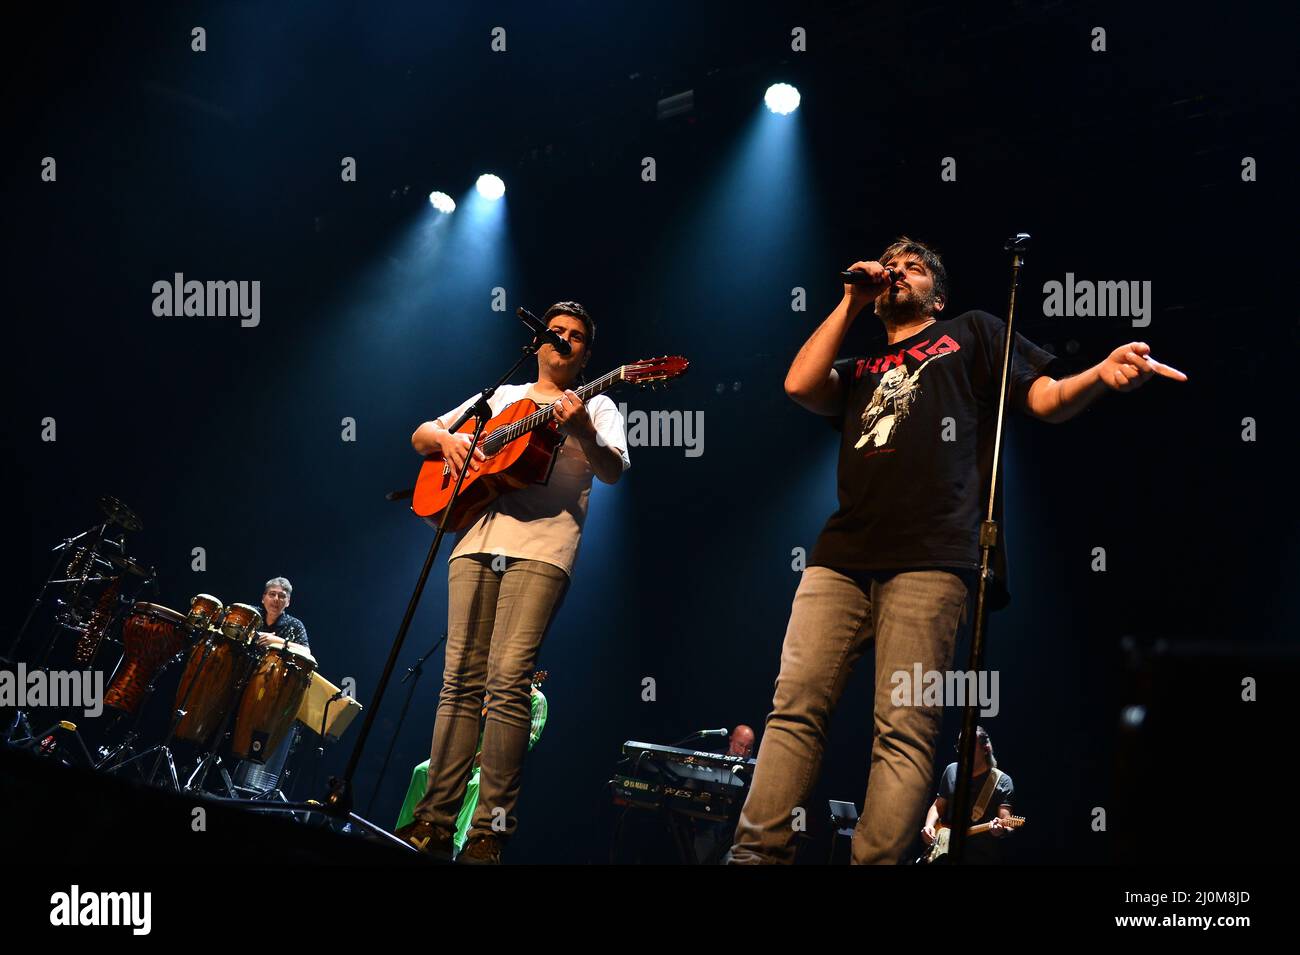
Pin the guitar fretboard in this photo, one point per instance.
(499, 438)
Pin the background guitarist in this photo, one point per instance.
(507, 574)
(979, 851)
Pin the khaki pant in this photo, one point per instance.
(913, 617)
(496, 621)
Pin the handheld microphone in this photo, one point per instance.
(539, 330)
(721, 732)
(858, 277)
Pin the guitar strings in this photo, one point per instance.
(499, 438)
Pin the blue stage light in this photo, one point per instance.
(442, 202)
(490, 186)
(782, 98)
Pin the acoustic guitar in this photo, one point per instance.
(520, 445)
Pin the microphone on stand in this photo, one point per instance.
(539, 329)
(1017, 243)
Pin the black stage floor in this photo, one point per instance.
(58, 815)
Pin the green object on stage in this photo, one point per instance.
(420, 778)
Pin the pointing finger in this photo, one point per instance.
(1167, 371)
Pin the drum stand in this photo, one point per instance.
(276, 791)
(206, 762)
(22, 717)
(109, 757)
(90, 557)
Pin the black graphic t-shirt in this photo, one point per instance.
(917, 449)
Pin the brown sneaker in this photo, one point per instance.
(481, 850)
(432, 840)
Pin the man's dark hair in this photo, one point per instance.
(578, 312)
(904, 245)
(981, 740)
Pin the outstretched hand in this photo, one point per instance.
(1131, 366)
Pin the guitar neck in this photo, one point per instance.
(1011, 822)
(499, 438)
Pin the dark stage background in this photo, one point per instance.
(1124, 164)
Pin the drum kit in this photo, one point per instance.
(230, 685)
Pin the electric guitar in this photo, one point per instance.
(936, 852)
(520, 445)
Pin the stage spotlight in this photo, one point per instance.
(490, 186)
(782, 98)
(442, 202)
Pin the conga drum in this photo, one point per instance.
(205, 611)
(211, 679)
(151, 635)
(240, 623)
(270, 703)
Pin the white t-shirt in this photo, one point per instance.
(544, 521)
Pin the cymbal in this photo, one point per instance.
(119, 514)
(129, 565)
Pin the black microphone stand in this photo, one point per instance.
(339, 802)
(959, 818)
(415, 670)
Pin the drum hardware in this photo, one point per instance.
(267, 782)
(108, 756)
(105, 613)
(131, 566)
(86, 559)
(50, 742)
(119, 514)
(19, 724)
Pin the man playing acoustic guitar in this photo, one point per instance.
(507, 574)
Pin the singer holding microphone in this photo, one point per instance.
(896, 564)
(506, 576)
